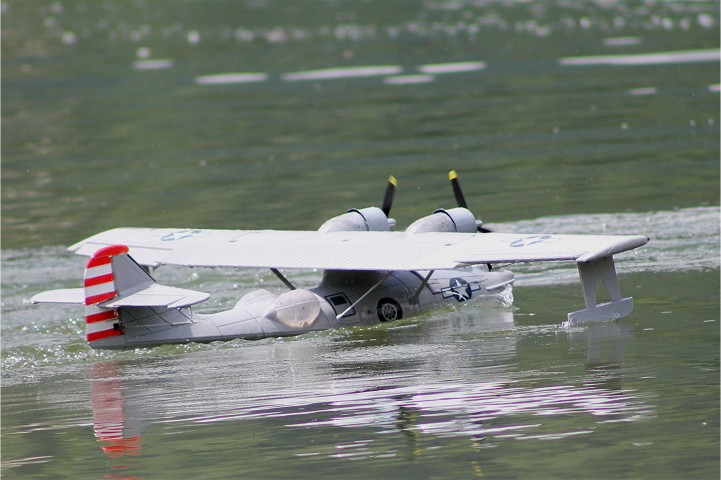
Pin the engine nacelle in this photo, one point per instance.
(371, 219)
(453, 220)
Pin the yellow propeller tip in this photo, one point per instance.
(392, 180)
(452, 175)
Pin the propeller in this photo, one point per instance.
(457, 192)
(460, 199)
(388, 197)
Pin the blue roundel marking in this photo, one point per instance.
(180, 234)
(531, 240)
(460, 289)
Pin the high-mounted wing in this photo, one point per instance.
(351, 250)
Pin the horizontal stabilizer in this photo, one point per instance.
(155, 295)
(65, 295)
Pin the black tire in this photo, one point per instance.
(389, 310)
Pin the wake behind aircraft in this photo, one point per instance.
(370, 274)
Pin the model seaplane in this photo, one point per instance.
(370, 274)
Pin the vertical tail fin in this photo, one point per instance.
(100, 285)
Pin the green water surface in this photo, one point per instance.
(108, 120)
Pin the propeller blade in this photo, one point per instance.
(460, 199)
(457, 192)
(388, 197)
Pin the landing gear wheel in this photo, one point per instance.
(389, 310)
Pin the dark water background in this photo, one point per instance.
(597, 117)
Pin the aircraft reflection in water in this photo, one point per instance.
(116, 428)
(487, 412)
(370, 274)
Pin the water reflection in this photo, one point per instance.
(455, 67)
(462, 382)
(656, 58)
(408, 79)
(393, 73)
(229, 78)
(344, 72)
(159, 64)
(117, 428)
(604, 353)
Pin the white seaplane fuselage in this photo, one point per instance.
(334, 303)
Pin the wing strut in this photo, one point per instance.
(282, 278)
(600, 270)
(414, 298)
(340, 315)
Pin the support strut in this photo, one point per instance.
(352, 306)
(282, 278)
(414, 298)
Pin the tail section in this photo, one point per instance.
(123, 302)
(100, 286)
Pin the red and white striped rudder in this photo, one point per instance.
(100, 287)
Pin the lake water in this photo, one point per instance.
(564, 117)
